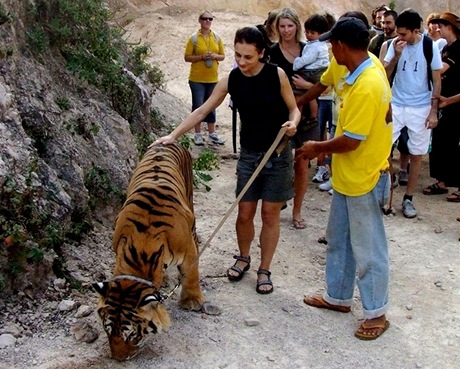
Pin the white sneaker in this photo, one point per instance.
(325, 186)
(408, 209)
(198, 139)
(215, 138)
(321, 175)
(330, 192)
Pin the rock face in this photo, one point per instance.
(304, 8)
(55, 131)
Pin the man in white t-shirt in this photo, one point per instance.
(412, 90)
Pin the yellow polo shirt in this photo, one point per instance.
(366, 96)
(198, 70)
(334, 75)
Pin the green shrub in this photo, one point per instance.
(101, 192)
(93, 49)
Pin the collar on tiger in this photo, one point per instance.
(161, 297)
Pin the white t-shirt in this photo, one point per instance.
(410, 86)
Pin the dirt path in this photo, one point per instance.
(425, 268)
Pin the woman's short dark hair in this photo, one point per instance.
(359, 15)
(256, 36)
(317, 23)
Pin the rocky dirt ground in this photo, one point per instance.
(52, 330)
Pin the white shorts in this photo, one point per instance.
(414, 119)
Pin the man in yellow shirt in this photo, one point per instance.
(361, 182)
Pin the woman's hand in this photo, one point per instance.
(301, 83)
(291, 128)
(165, 140)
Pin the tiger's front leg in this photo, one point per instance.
(191, 297)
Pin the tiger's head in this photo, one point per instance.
(130, 311)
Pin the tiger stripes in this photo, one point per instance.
(154, 230)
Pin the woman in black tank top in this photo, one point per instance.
(264, 99)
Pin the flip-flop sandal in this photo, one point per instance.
(240, 275)
(435, 189)
(299, 224)
(454, 197)
(371, 332)
(319, 302)
(264, 282)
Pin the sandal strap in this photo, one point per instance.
(236, 269)
(242, 258)
(264, 271)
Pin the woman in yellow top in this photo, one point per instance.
(204, 50)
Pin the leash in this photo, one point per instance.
(277, 146)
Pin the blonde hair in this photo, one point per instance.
(203, 13)
(291, 14)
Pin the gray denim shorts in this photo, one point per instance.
(274, 183)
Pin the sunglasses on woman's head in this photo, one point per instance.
(207, 19)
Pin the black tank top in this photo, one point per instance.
(261, 107)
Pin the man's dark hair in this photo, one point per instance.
(377, 9)
(409, 19)
(317, 23)
(392, 13)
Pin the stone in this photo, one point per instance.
(84, 332)
(67, 305)
(7, 340)
(83, 310)
(252, 322)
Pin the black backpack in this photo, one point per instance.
(427, 51)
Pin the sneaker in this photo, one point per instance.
(403, 178)
(321, 175)
(215, 138)
(330, 192)
(325, 186)
(408, 209)
(198, 139)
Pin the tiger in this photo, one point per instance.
(154, 229)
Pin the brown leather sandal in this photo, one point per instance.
(319, 302)
(372, 329)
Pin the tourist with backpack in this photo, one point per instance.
(413, 64)
(204, 51)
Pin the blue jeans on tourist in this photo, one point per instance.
(357, 242)
(200, 93)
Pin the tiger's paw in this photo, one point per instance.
(192, 302)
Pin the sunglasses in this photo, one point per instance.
(207, 19)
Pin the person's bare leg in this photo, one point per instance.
(300, 187)
(198, 128)
(404, 161)
(313, 109)
(414, 174)
(211, 127)
(269, 236)
(244, 231)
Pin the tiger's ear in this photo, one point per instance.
(153, 298)
(102, 288)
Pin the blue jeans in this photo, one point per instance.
(357, 241)
(200, 93)
(324, 115)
